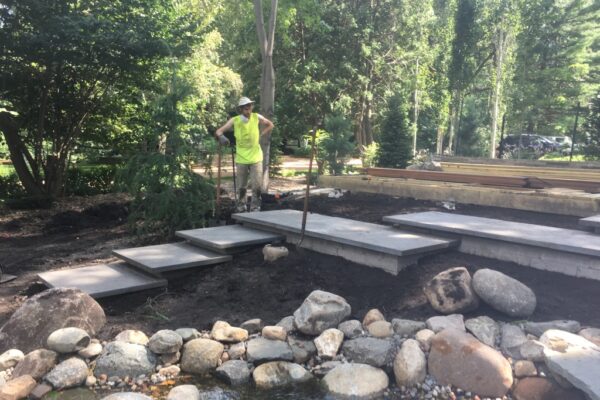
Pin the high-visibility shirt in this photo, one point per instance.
(247, 136)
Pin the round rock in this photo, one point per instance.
(165, 342)
(127, 396)
(372, 316)
(356, 381)
(368, 350)
(188, 334)
(223, 332)
(184, 392)
(410, 365)
(279, 373)
(10, 358)
(351, 329)
(133, 336)
(69, 373)
(201, 356)
(319, 311)
(485, 329)
(36, 364)
(328, 343)
(261, 350)
(504, 293)
(451, 292)
(125, 359)
(68, 340)
(380, 329)
(235, 372)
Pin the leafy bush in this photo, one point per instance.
(10, 187)
(368, 156)
(91, 180)
(168, 195)
(333, 144)
(592, 129)
(395, 150)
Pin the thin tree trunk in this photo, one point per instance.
(500, 49)
(415, 127)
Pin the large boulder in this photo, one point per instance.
(261, 350)
(201, 356)
(457, 358)
(410, 365)
(356, 381)
(543, 389)
(504, 293)
(53, 309)
(319, 311)
(279, 373)
(125, 359)
(451, 292)
(69, 373)
(573, 358)
(367, 350)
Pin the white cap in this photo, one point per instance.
(243, 101)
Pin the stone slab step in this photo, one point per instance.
(169, 257)
(103, 280)
(365, 235)
(592, 222)
(229, 239)
(565, 240)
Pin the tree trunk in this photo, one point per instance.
(267, 80)
(415, 127)
(500, 48)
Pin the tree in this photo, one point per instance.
(333, 144)
(395, 146)
(266, 41)
(592, 129)
(67, 71)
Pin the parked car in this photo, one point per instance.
(563, 141)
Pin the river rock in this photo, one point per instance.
(125, 359)
(439, 323)
(69, 373)
(323, 369)
(380, 329)
(236, 351)
(328, 343)
(217, 393)
(68, 340)
(53, 309)
(279, 373)
(10, 358)
(538, 328)
(319, 311)
(127, 396)
(165, 342)
(201, 356)
(591, 334)
(260, 350)
(575, 359)
(184, 392)
(223, 332)
(511, 340)
(133, 336)
(451, 292)
(235, 372)
(18, 388)
(351, 328)
(356, 381)
(457, 358)
(92, 350)
(543, 389)
(274, 333)
(40, 390)
(188, 334)
(410, 364)
(36, 364)
(287, 323)
(504, 293)
(303, 350)
(524, 368)
(372, 316)
(368, 350)
(532, 350)
(253, 325)
(424, 337)
(485, 329)
(407, 327)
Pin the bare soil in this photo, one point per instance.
(82, 231)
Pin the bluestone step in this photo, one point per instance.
(103, 280)
(592, 222)
(169, 257)
(230, 238)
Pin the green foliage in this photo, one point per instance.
(10, 187)
(592, 129)
(168, 196)
(91, 180)
(333, 144)
(395, 150)
(369, 154)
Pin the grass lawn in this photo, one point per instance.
(560, 157)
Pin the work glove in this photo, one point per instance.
(223, 141)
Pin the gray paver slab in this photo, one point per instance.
(568, 240)
(103, 280)
(228, 238)
(374, 237)
(593, 221)
(169, 257)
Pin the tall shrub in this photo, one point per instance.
(395, 150)
(334, 145)
(592, 129)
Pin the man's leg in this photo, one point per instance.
(241, 181)
(256, 172)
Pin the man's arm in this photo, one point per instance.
(225, 128)
(268, 125)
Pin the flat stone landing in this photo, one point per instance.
(571, 252)
(169, 257)
(592, 222)
(361, 242)
(103, 280)
(229, 239)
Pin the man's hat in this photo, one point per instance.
(244, 101)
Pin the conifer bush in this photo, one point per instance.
(395, 149)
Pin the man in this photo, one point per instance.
(248, 154)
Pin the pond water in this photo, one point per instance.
(310, 391)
